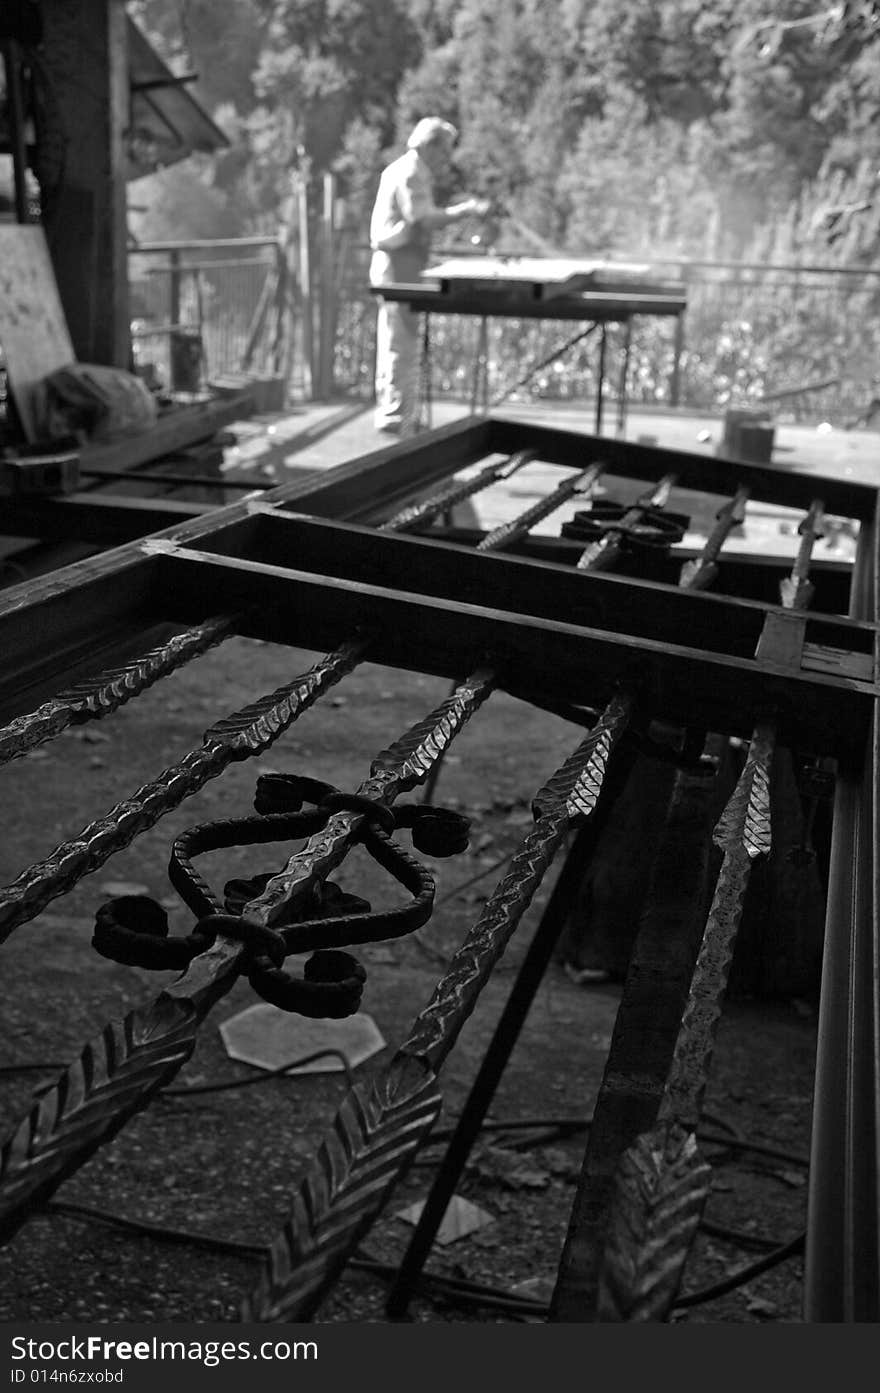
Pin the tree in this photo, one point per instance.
(220, 42)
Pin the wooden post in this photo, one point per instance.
(307, 338)
(328, 288)
(173, 316)
(11, 55)
(281, 326)
(677, 351)
(86, 53)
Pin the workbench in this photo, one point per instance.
(594, 292)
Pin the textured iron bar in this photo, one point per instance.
(97, 696)
(238, 736)
(796, 590)
(120, 1070)
(501, 536)
(246, 732)
(648, 1019)
(581, 484)
(383, 1122)
(484, 1085)
(605, 551)
(754, 815)
(743, 833)
(457, 492)
(663, 1180)
(699, 573)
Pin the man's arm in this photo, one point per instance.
(418, 207)
(434, 218)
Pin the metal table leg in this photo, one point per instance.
(624, 378)
(480, 379)
(600, 383)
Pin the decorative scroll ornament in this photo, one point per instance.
(605, 550)
(382, 1123)
(122, 1069)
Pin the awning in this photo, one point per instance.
(166, 122)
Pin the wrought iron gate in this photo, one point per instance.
(602, 625)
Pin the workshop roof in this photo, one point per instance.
(167, 123)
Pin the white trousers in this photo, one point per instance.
(397, 367)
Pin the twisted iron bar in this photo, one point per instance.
(606, 549)
(419, 513)
(382, 1122)
(245, 733)
(663, 1180)
(121, 1069)
(699, 573)
(796, 590)
(581, 484)
(97, 696)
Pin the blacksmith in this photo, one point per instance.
(404, 216)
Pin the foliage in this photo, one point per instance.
(715, 129)
(574, 115)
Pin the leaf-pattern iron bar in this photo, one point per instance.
(663, 1181)
(581, 485)
(699, 573)
(245, 733)
(796, 590)
(420, 513)
(93, 697)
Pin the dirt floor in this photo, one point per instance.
(223, 1164)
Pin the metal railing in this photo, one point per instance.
(206, 309)
(802, 339)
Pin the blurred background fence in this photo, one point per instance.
(802, 340)
(205, 310)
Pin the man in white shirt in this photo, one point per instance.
(404, 216)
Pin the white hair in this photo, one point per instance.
(429, 129)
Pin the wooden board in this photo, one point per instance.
(544, 278)
(549, 270)
(33, 330)
(178, 428)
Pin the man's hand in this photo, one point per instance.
(469, 208)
